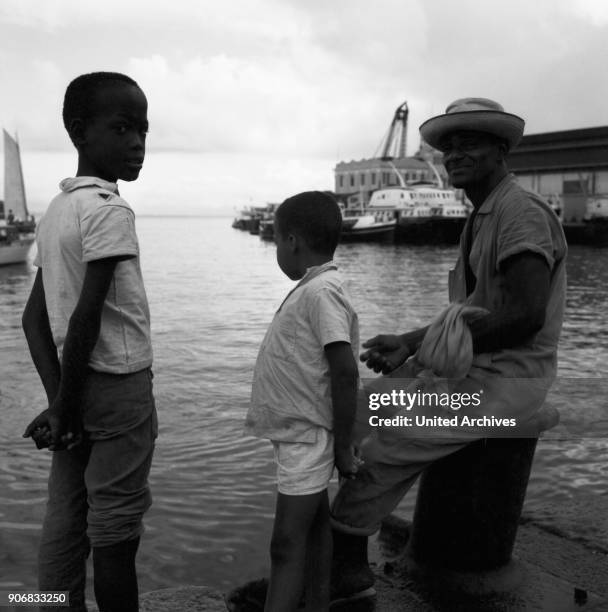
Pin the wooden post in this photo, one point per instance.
(469, 505)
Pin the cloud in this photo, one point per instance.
(241, 17)
(300, 103)
(268, 95)
(288, 78)
(34, 108)
(594, 11)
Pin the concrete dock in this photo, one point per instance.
(560, 564)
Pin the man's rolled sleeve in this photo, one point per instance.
(525, 227)
(109, 231)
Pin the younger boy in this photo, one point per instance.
(304, 398)
(87, 325)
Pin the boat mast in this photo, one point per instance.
(21, 177)
(14, 186)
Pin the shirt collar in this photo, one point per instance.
(316, 270)
(488, 204)
(308, 276)
(78, 182)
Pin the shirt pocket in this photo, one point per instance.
(282, 340)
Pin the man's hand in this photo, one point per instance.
(348, 461)
(51, 430)
(385, 353)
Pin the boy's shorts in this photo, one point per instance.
(305, 468)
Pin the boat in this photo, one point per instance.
(367, 225)
(264, 226)
(240, 221)
(592, 233)
(585, 222)
(593, 229)
(267, 229)
(266, 222)
(244, 220)
(250, 218)
(17, 226)
(425, 213)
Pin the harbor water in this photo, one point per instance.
(212, 292)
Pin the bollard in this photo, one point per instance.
(469, 504)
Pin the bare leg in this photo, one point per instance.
(318, 560)
(294, 518)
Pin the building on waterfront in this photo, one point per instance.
(569, 168)
(356, 180)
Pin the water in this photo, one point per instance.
(212, 292)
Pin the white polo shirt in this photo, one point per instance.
(291, 396)
(88, 221)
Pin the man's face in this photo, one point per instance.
(115, 137)
(471, 157)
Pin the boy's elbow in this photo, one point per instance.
(347, 373)
(29, 319)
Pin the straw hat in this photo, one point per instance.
(474, 114)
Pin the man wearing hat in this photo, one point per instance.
(512, 264)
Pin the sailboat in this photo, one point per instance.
(17, 227)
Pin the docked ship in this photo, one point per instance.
(424, 213)
(17, 227)
(368, 225)
(266, 229)
(408, 190)
(590, 227)
(257, 220)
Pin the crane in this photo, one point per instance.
(396, 138)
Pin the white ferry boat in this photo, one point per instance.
(424, 213)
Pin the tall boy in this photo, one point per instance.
(304, 397)
(87, 325)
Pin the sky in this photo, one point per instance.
(251, 101)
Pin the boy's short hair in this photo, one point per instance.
(80, 93)
(314, 216)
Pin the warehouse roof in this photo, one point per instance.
(560, 151)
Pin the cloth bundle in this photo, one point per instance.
(447, 348)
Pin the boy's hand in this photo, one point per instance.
(385, 353)
(51, 430)
(348, 461)
(42, 437)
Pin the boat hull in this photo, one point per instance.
(429, 231)
(15, 252)
(593, 232)
(377, 233)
